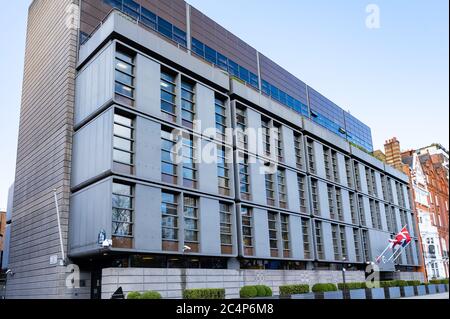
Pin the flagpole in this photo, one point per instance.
(384, 251)
(59, 228)
(400, 253)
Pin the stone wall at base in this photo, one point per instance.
(171, 282)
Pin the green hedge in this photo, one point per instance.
(324, 287)
(151, 295)
(134, 295)
(413, 282)
(255, 291)
(288, 290)
(145, 295)
(399, 283)
(210, 293)
(439, 281)
(352, 285)
(248, 292)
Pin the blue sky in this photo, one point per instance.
(395, 79)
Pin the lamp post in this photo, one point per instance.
(343, 277)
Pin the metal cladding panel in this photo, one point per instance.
(209, 220)
(90, 213)
(92, 149)
(282, 79)
(147, 218)
(44, 152)
(350, 244)
(94, 85)
(296, 236)
(148, 91)
(218, 38)
(261, 226)
(148, 150)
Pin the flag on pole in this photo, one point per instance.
(397, 244)
(402, 239)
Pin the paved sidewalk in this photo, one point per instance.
(433, 296)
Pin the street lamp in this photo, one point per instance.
(343, 276)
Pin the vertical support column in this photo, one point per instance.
(188, 28)
(259, 71)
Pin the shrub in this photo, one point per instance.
(260, 291)
(134, 295)
(413, 282)
(352, 285)
(289, 290)
(387, 284)
(210, 293)
(439, 281)
(268, 290)
(151, 295)
(255, 291)
(400, 283)
(248, 292)
(324, 287)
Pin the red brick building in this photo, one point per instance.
(438, 188)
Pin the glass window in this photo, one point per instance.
(301, 180)
(223, 170)
(247, 227)
(123, 140)
(244, 176)
(226, 224)
(298, 144)
(122, 210)
(319, 241)
(168, 95)
(189, 162)
(306, 238)
(124, 76)
(282, 192)
(190, 220)
(188, 103)
(273, 233)
(169, 212)
(168, 157)
(221, 118)
(285, 235)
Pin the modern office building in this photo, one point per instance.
(128, 116)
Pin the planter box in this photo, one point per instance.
(431, 289)
(356, 293)
(441, 288)
(375, 293)
(309, 295)
(392, 292)
(421, 290)
(333, 295)
(407, 291)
